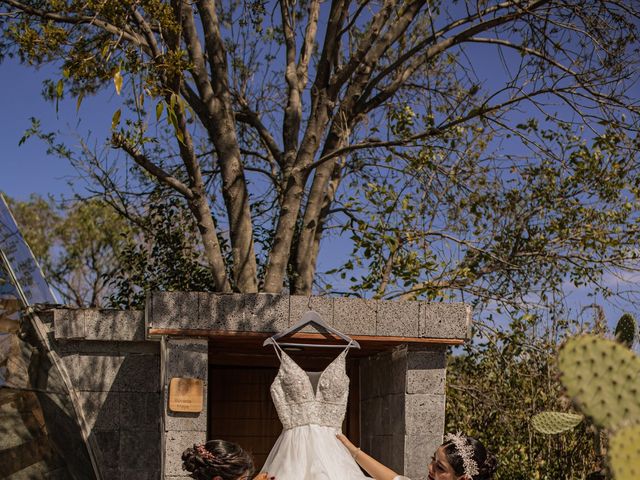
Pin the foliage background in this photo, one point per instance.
(500, 381)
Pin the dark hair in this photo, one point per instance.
(217, 458)
(486, 461)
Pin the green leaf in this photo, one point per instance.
(159, 109)
(171, 116)
(180, 135)
(79, 101)
(117, 81)
(59, 88)
(115, 120)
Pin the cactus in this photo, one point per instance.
(551, 423)
(624, 453)
(627, 330)
(602, 377)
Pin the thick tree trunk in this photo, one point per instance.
(305, 260)
(236, 198)
(221, 129)
(290, 208)
(200, 209)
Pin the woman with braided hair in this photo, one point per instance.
(220, 460)
(459, 458)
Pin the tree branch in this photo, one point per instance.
(119, 141)
(477, 112)
(249, 117)
(125, 33)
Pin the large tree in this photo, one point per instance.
(476, 147)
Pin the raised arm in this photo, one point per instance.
(373, 467)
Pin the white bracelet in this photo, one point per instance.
(355, 454)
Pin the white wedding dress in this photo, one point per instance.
(311, 407)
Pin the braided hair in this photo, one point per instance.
(217, 458)
(487, 462)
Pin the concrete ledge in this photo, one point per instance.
(98, 324)
(266, 313)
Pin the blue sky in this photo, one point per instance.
(28, 168)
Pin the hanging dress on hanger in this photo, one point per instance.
(311, 407)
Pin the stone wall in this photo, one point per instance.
(263, 312)
(116, 375)
(402, 407)
(183, 358)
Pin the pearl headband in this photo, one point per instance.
(465, 451)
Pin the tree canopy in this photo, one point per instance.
(78, 245)
(484, 149)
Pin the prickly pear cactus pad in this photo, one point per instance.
(624, 453)
(551, 423)
(603, 378)
(627, 330)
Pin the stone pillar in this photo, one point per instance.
(402, 409)
(188, 358)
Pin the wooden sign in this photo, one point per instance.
(186, 395)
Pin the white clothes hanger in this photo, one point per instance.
(309, 318)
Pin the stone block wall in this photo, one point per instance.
(264, 312)
(402, 407)
(116, 377)
(183, 358)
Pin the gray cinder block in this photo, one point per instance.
(108, 443)
(69, 324)
(265, 312)
(140, 411)
(398, 318)
(393, 414)
(174, 310)
(139, 373)
(114, 325)
(355, 316)
(418, 450)
(187, 358)
(426, 371)
(424, 414)
(445, 320)
(221, 311)
(140, 449)
(100, 409)
(95, 373)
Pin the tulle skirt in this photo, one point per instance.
(311, 452)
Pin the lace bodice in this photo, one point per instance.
(299, 403)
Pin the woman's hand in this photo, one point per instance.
(264, 476)
(353, 450)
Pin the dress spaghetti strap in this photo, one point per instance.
(278, 349)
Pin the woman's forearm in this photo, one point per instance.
(373, 467)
